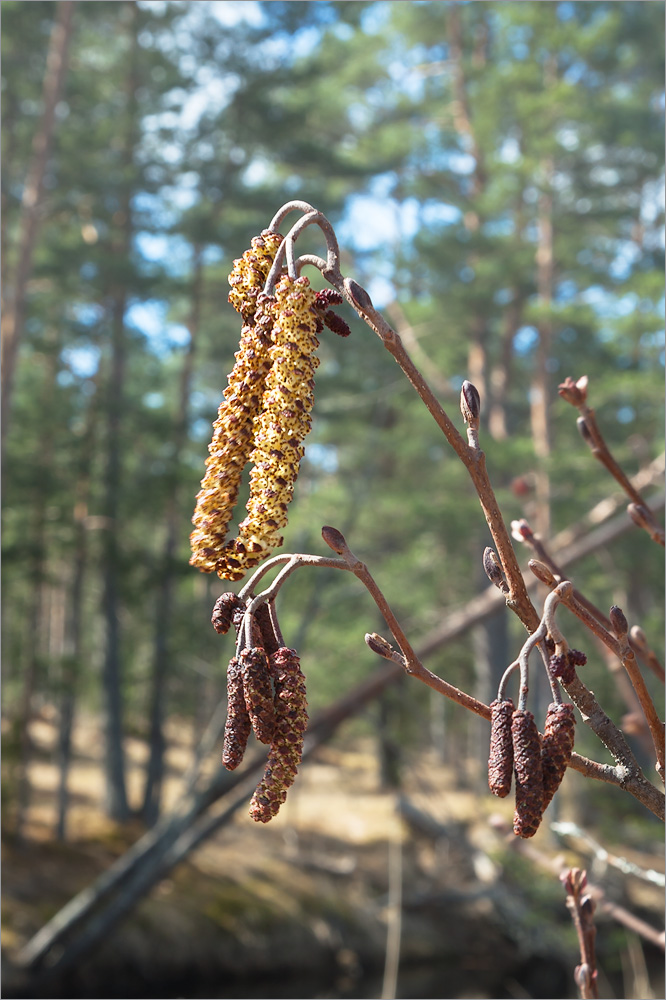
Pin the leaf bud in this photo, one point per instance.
(619, 621)
(584, 431)
(541, 572)
(493, 570)
(470, 403)
(358, 294)
(334, 539)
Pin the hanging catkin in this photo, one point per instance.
(556, 747)
(258, 691)
(232, 431)
(528, 774)
(281, 424)
(237, 727)
(291, 719)
(500, 760)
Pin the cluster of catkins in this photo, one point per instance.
(537, 763)
(265, 693)
(264, 415)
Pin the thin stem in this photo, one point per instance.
(282, 213)
(576, 394)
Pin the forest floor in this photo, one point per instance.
(303, 906)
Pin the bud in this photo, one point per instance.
(493, 569)
(528, 773)
(556, 747)
(618, 621)
(584, 431)
(379, 645)
(358, 294)
(500, 759)
(521, 531)
(223, 612)
(287, 746)
(574, 392)
(258, 692)
(470, 404)
(542, 572)
(237, 727)
(334, 539)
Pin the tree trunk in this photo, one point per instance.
(74, 632)
(31, 204)
(163, 615)
(540, 396)
(34, 637)
(116, 795)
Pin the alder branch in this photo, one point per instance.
(575, 393)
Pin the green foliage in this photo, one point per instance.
(329, 101)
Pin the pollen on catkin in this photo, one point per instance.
(281, 423)
(528, 773)
(232, 430)
(556, 747)
(286, 751)
(500, 759)
(258, 691)
(238, 726)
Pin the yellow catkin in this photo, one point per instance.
(280, 424)
(233, 429)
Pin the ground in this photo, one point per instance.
(313, 894)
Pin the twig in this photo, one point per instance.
(521, 529)
(619, 645)
(581, 907)
(575, 393)
(601, 854)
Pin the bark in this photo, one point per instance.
(165, 593)
(13, 312)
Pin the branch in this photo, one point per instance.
(575, 393)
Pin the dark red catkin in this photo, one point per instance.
(223, 611)
(500, 760)
(556, 747)
(258, 692)
(286, 751)
(237, 727)
(528, 772)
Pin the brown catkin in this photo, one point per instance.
(556, 747)
(528, 773)
(258, 691)
(223, 612)
(286, 751)
(237, 727)
(500, 759)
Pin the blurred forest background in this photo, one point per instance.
(495, 175)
